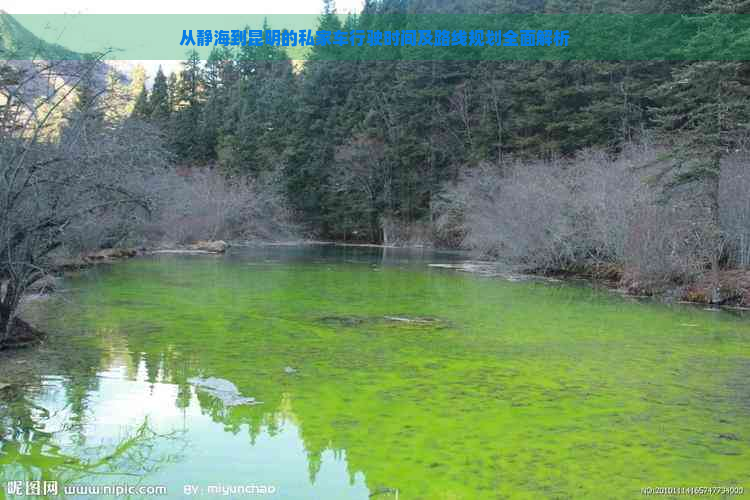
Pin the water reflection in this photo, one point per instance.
(45, 439)
(134, 428)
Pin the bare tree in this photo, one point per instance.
(362, 172)
(734, 207)
(63, 170)
(200, 204)
(591, 212)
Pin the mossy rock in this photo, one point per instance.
(393, 320)
(341, 320)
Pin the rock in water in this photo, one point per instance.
(421, 321)
(108, 254)
(217, 246)
(222, 389)
(47, 283)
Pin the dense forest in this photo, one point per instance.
(372, 150)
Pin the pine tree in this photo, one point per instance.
(159, 101)
(141, 108)
(116, 100)
(185, 131)
(172, 84)
(138, 79)
(87, 117)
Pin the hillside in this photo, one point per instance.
(17, 42)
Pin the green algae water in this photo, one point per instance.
(377, 376)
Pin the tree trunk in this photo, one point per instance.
(14, 332)
(717, 245)
(4, 323)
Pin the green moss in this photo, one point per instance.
(517, 390)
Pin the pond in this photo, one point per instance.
(376, 376)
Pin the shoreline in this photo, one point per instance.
(734, 283)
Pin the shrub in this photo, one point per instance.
(734, 208)
(203, 204)
(575, 215)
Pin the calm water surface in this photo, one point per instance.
(494, 389)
